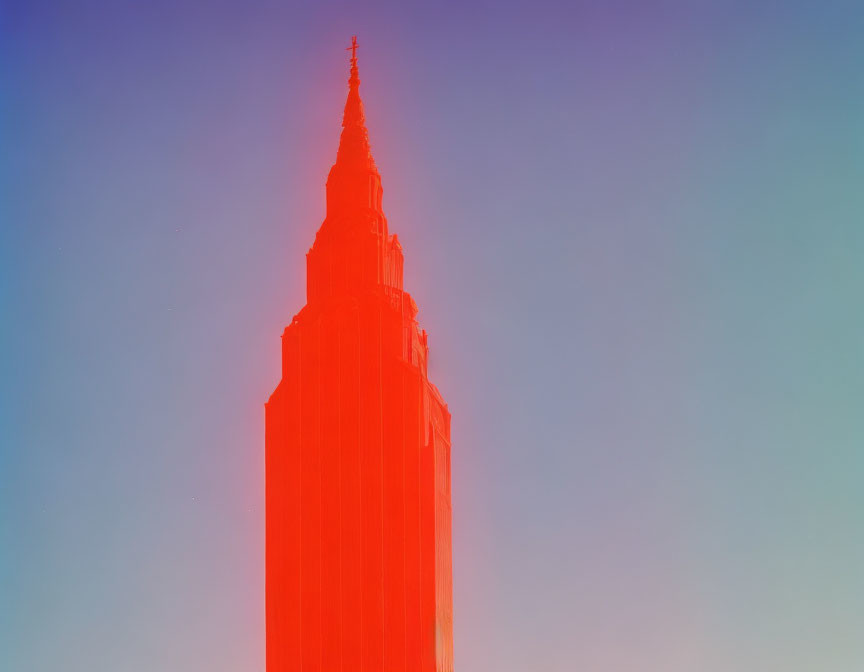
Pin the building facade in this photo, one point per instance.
(358, 516)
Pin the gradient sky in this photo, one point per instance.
(635, 234)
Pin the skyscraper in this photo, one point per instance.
(359, 574)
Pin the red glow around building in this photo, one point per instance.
(359, 574)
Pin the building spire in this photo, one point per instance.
(354, 150)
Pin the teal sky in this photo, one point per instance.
(635, 231)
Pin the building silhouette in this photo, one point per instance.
(358, 517)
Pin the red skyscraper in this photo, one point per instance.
(358, 557)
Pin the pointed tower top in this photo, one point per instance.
(354, 149)
(354, 184)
